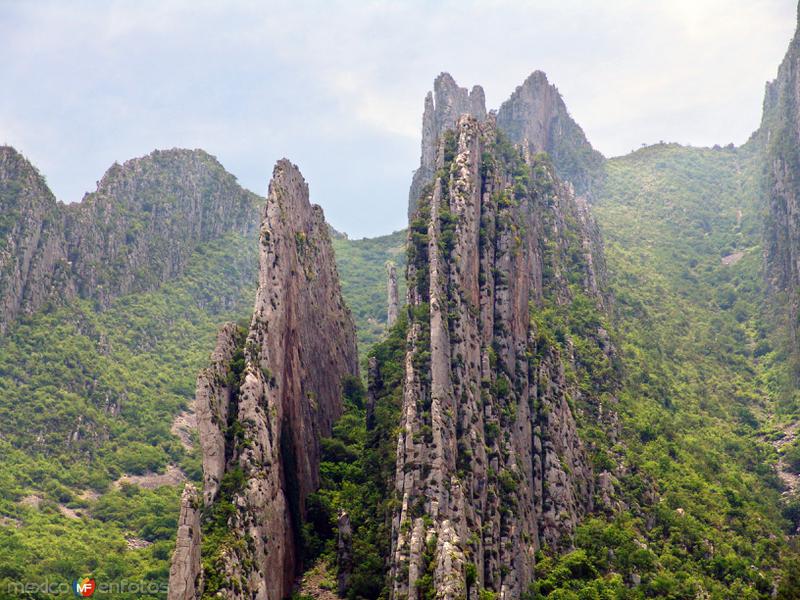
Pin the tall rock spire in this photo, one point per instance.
(391, 292)
(269, 396)
(536, 118)
(489, 463)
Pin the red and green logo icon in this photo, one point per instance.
(83, 588)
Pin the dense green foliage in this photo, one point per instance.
(87, 396)
(357, 472)
(699, 388)
(703, 394)
(362, 271)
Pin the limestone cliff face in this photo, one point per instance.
(268, 397)
(489, 463)
(779, 141)
(443, 107)
(536, 118)
(132, 234)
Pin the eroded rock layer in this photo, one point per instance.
(267, 398)
(489, 463)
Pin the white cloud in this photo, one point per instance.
(338, 86)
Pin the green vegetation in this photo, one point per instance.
(357, 472)
(701, 380)
(87, 396)
(703, 389)
(362, 270)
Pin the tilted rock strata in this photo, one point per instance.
(779, 140)
(132, 234)
(489, 462)
(265, 411)
(534, 118)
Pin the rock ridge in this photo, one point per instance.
(136, 231)
(534, 117)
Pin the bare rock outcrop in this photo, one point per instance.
(344, 552)
(490, 466)
(269, 396)
(34, 264)
(213, 397)
(185, 573)
(778, 139)
(536, 118)
(443, 107)
(136, 231)
(391, 292)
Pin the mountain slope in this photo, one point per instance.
(682, 231)
(132, 234)
(87, 397)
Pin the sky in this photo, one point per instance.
(338, 86)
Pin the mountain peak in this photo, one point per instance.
(443, 107)
(536, 117)
(134, 232)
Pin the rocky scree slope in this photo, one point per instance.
(134, 233)
(268, 397)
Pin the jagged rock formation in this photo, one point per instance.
(132, 234)
(392, 298)
(443, 107)
(779, 140)
(489, 463)
(269, 396)
(536, 118)
(185, 575)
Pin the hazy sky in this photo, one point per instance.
(338, 87)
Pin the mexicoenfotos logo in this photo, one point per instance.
(83, 588)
